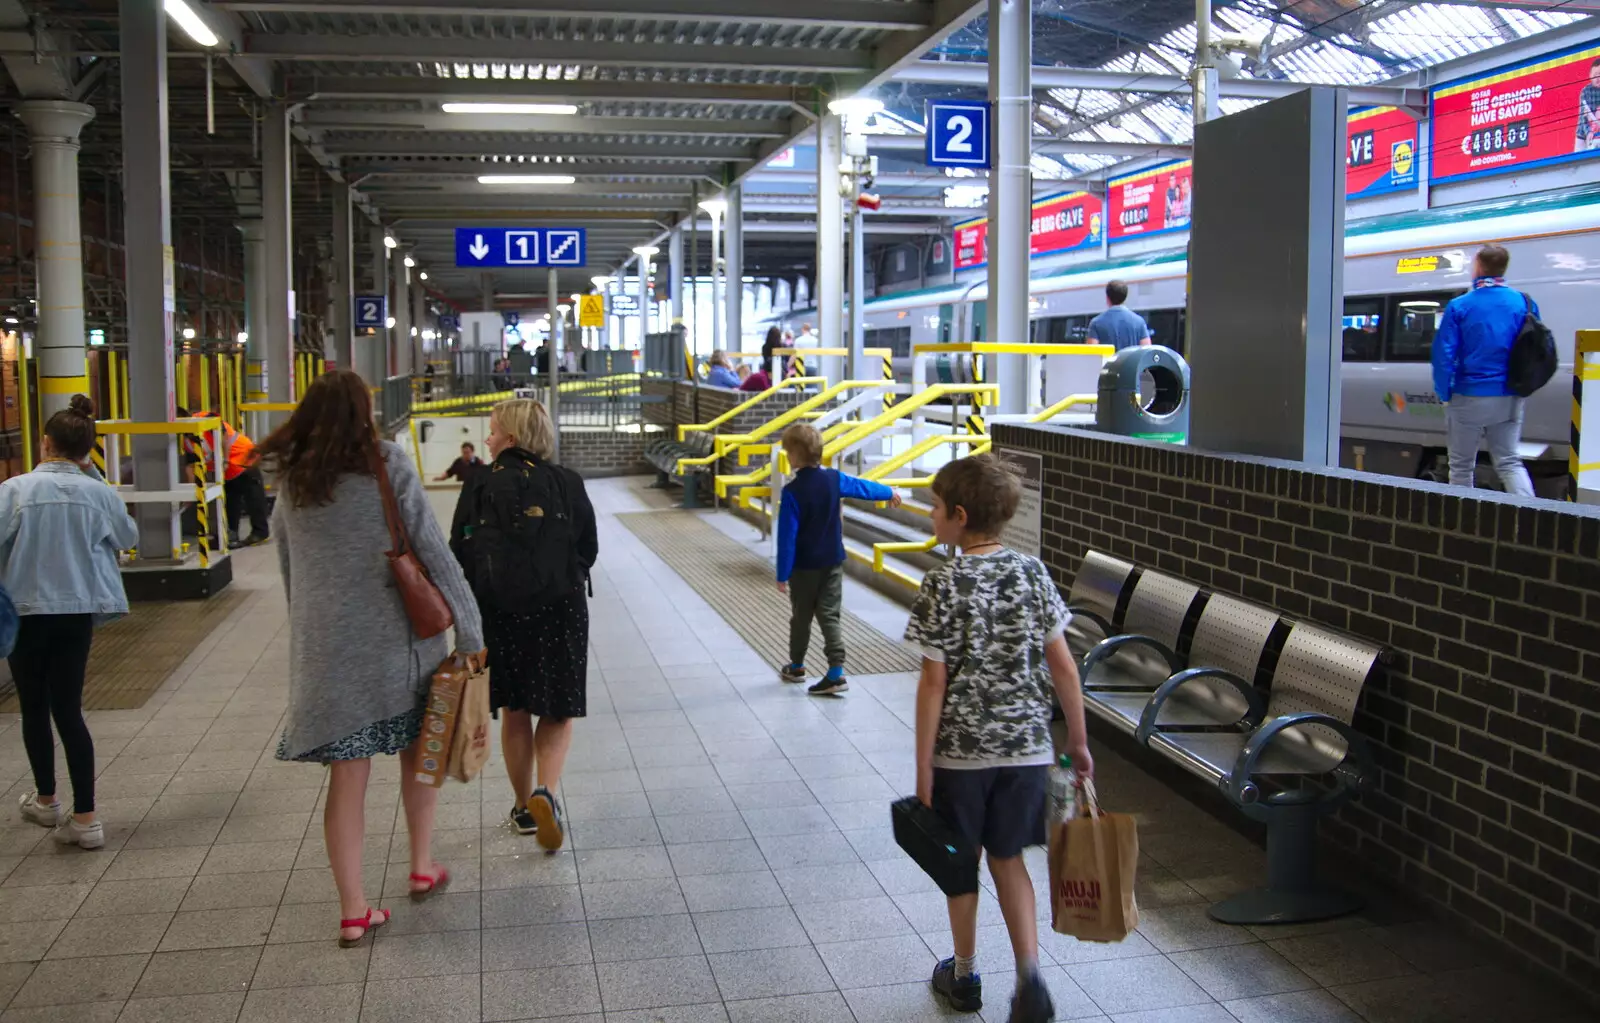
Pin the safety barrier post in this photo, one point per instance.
(1583, 455)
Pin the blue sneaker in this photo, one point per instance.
(833, 682)
(964, 995)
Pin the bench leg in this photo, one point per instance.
(691, 490)
(662, 482)
(1293, 894)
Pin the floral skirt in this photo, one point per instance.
(377, 739)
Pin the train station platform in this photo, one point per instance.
(730, 860)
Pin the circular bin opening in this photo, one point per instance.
(1160, 390)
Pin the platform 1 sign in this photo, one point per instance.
(1151, 201)
(1380, 153)
(958, 133)
(1526, 115)
(479, 247)
(1057, 223)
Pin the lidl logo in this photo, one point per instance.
(1395, 402)
(1402, 159)
(1094, 225)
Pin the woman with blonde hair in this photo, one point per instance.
(358, 675)
(720, 374)
(525, 534)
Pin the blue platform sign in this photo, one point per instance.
(479, 247)
(958, 133)
(371, 311)
(448, 322)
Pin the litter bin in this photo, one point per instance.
(1144, 393)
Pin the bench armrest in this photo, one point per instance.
(1147, 721)
(1106, 647)
(1349, 776)
(1093, 616)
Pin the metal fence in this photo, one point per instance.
(394, 403)
(597, 403)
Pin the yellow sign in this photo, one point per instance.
(591, 311)
(1418, 264)
(1401, 155)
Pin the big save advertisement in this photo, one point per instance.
(1513, 118)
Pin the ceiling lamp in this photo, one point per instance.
(389, 242)
(601, 280)
(561, 109)
(526, 179)
(855, 106)
(645, 250)
(423, 275)
(410, 262)
(715, 207)
(191, 22)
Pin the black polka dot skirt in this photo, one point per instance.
(539, 662)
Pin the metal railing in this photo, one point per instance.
(600, 403)
(394, 403)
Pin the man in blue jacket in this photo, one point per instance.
(1471, 353)
(811, 553)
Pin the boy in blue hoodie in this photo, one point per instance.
(811, 553)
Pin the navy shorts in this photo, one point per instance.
(998, 809)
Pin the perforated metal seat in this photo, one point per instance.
(1218, 686)
(1142, 656)
(1096, 591)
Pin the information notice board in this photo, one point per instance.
(1025, 532)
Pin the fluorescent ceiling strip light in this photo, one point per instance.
(509, 108)
(191, 22)
(526, 179)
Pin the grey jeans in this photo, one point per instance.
(1500, 418)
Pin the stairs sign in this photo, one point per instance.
(488, 247)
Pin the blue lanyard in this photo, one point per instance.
(1488, 282)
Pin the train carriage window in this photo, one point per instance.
(1167, 327)
(1412, 322)
(1363, 329)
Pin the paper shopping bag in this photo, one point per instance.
(469, 750)
(439, 720)
(1092, 864)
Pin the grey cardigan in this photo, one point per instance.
(353, 660)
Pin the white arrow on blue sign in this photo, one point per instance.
(958, 133)
(371, 311)
(482, 247)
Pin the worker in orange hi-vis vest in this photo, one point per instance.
(243, 490)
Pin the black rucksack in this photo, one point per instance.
(1533, 355)
(525, 554)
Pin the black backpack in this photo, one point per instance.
(1533, 355)
(525, 542)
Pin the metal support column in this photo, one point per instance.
(342, 285)
(717, 216)
(553, 401)
(733, 269)
(254, 234)
(400, 309)
(486, 292)
(855, 364)
(278, 272)
(1010, 192)
(53, 127)
(376, 365)
(1205, 65)
(644, 298)
(675, 272)
(829, 292)
(420, 320)
(147, 263)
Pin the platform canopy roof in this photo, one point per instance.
(651, 104)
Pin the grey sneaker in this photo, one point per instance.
(84, 836)
(46, 815)
(792, 673)
(547, 815)
(521, 821)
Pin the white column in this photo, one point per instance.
(343, 282)
(400, 309)
(1010, 193)
(733, 269)
(377, 360)
(53, 127)
(644, 299)
(1205, 67)
(254, 234)
(716, 278)
(553, 400)
(421, 321)
(278, 272)
(675, 271)
(829, 291)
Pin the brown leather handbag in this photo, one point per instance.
(425, 605)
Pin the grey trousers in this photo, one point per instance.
(1470, 419)
(817, 593)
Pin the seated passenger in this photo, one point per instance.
(720, 373)
(757, 381)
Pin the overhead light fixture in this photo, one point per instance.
(410, 262)
(645, 250)
(601, 280)
(188, 333)
(715, 207)
(389, 242)
(243, 337)
(413, 332)
(564, 308)
(389, 323)
(526, 179)
(12, 321)
(191, 22)
(423, 275)
(560, 109)
(855, 106)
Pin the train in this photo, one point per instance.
(1400, 270)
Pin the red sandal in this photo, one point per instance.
(366, 924)
(436, 882)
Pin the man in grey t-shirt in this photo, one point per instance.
(1118, 326)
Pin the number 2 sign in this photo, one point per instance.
(958, 133)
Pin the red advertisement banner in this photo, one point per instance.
(1518, 117)
(1059, 223)
(1151, 201)
(1381, 154)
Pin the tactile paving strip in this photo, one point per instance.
(132, 656)
(739, 586)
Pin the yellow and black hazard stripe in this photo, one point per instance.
(1588, 343)
(888, 379)
(201, 515)
(98, 456)
(975, 424)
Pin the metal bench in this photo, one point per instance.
(1144, 654)
(1304, 762)
(1217, 688)
(665, 455)
(1096, 592)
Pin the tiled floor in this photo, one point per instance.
(730, 861)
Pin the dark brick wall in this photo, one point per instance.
(598, 453)
(1487, 726)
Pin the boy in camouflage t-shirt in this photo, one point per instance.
(990, 624)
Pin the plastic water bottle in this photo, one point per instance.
(1063, 791)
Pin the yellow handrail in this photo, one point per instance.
(687, 428)
(722, 443)
(995, 348)
(903, 408)
(1070, 401)
(916, 451)
(440, 404)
